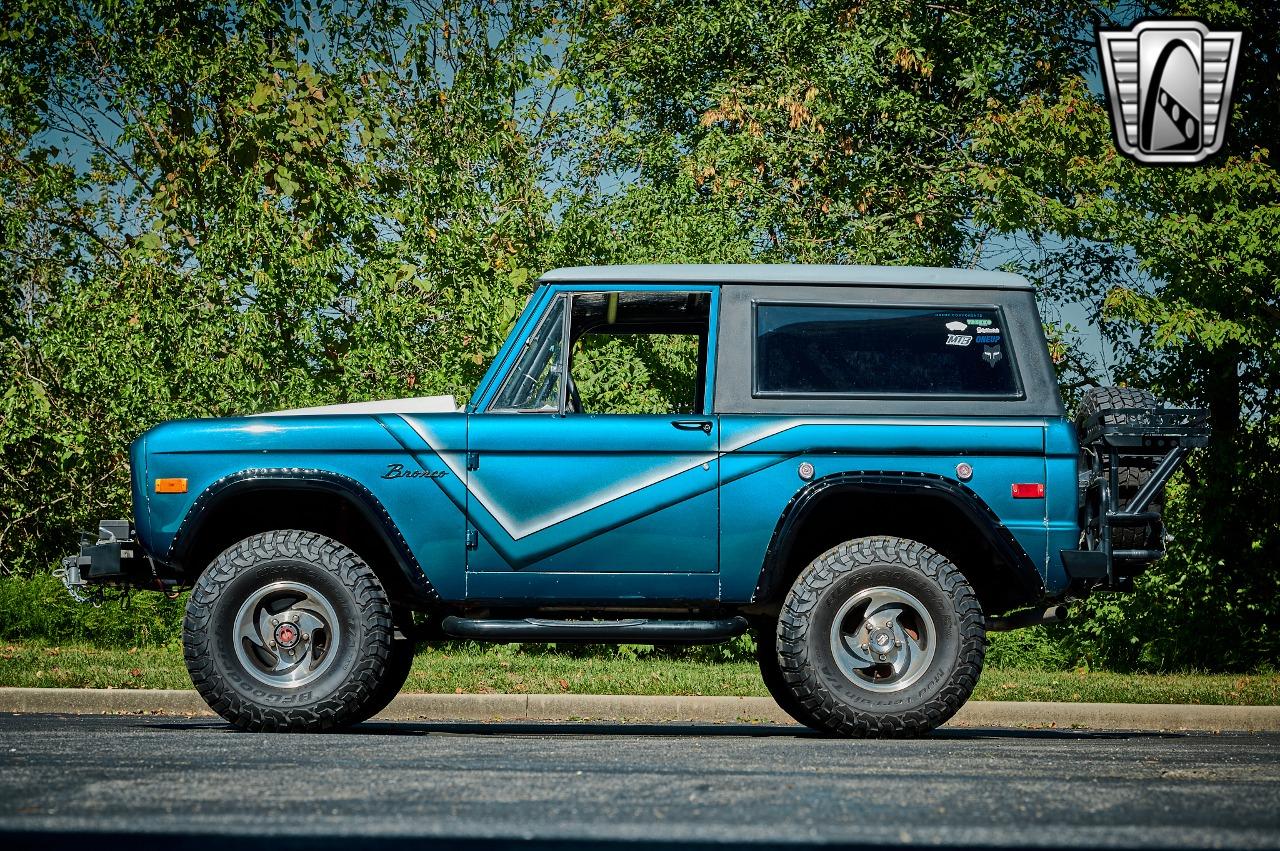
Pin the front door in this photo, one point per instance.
(593, 467)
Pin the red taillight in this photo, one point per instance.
(1028, 490)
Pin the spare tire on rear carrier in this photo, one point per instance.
(1134, 470)
(1130, 445)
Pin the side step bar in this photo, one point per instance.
(630, 631)
(1027, 617)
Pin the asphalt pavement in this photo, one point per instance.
(163, 782)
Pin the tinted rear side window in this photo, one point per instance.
(840, 350)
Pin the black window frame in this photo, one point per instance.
(562, 300)
(705, 332)
(1019, 395)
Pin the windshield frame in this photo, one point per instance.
(539, 354)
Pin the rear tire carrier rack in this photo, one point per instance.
(1112, 438)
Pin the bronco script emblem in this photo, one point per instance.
(397, 471)
(1168, 84)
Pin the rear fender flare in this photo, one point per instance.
(1013, 558)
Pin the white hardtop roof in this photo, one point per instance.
(789, 274)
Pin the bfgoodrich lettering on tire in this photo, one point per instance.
(288, 631)
(880, 637)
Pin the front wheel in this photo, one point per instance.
(880, 637)
(399, 665)
(289, 631)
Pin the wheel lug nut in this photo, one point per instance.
(275, 621)
(866, 646)
(882, 656)
(290, 652)
(306, 637)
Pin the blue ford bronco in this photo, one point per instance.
(868, 467)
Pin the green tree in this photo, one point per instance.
(818, 132)
(1183, 265)
(213, 209)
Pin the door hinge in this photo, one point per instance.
(473, 460)
(473, 539)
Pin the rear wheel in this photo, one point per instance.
(766, 638)
(289, 631)
(880, 637)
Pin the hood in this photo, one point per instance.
(416, 405)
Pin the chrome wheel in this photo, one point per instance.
(883, 639)
(286, 634)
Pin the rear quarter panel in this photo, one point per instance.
(761, 456)
(1062, 456)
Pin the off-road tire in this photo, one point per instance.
(1134, 470)
(765, 633)
(350, 683)
(399, 664)
(829, 699)
(1102, 398)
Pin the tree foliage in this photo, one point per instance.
(822, 132)
(215, 209)
(1182, 267)
(212, 209)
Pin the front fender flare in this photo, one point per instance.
(325, 481)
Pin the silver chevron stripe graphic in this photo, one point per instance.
(519, 529)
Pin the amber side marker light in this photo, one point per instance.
(1028, 490)
(171, 485)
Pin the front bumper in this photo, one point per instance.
(114, 559)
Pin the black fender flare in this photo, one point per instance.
(345, 488)
(1022, 571)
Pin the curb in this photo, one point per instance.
(647, 709)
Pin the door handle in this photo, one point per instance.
(703, 426)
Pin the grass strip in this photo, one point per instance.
(463, 669)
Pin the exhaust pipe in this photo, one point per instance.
(1026, 618)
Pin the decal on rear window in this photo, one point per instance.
(846, 350)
